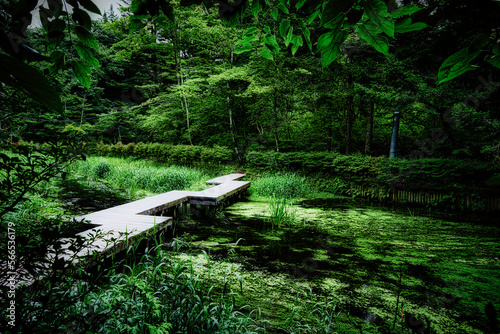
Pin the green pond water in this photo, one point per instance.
(358, 256)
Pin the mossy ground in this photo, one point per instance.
(354, 255)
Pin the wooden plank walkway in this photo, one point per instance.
(127, 224)
(142, 217)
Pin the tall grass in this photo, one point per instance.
(280, 190)
(286, 185)
(281, 211)
(133, 175)
(160, 295)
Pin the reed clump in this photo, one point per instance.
(139, 174)
(285, 185)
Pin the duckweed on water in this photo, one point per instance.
(356, 256)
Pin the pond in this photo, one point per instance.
(384, 266)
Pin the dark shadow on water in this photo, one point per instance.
(79, 199)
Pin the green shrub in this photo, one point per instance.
(101, 170)
(167, 153)
(140, 150)
(128, 150)
(430, 173)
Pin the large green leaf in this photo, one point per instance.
(313, 16)
(379, 42)
(271, 43)
(297, 42)
(82, 70)
(256, 7)
(266, 53)
(376, 11)
(300, 3)
(244, 48)
(284, 26)
(405, 10)
(289, 37)
(329, 45)
(86, 37)
(335, 23)
(495, 61)
(86, 54)
(274, 13)
(332, 9)
(90, 6)
(407, 26)
(82, 18)
(250, 31)
(32, 81)
(134, 5)
(283, 8)
(456, 65)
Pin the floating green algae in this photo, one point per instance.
(357, 256)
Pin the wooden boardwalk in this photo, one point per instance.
(135, 220)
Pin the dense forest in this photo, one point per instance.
(199, 81)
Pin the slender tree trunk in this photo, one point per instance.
(275, 125)
(369, 127)
(180, 83)
(83, 107)
(349, 113)
(349, 123)
(231, 122)
(186, 106)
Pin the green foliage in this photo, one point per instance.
(437, 173)
(167, 153)
(26, 165)
(423, 173)
(160, 295)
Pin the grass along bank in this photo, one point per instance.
(141, 178)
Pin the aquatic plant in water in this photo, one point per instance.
(281, 211)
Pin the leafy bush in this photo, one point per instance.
(167, 153)
(101, 170)
(430, 173)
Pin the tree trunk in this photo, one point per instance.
(83, 108)
(231, 122)
(350, 114)
(349, 123)
(180, 82)
(275, 123)
(369, 127)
